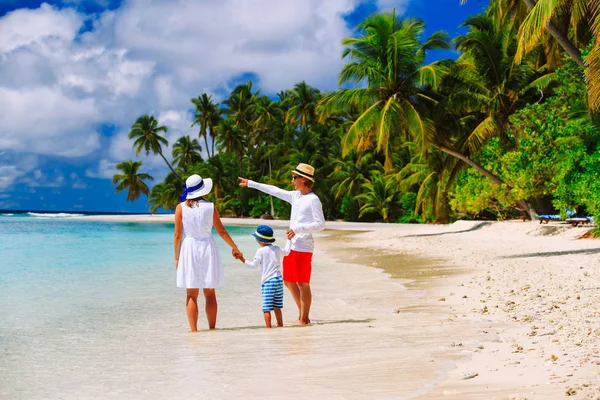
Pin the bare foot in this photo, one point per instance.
(301, 322)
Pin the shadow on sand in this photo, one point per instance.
(556, 253)
(471, 229)
(342, 321)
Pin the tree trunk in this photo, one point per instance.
(210, 129)
(206, 143)
(495, 179)
(562, 39)
(271, 197)
(171, 168)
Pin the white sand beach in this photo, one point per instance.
(471, 310)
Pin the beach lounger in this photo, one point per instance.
(545, 218)
(580, 221)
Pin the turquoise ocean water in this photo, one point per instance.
(84, 302)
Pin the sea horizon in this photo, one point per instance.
(9, 212)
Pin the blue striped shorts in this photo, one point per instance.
(272, 294)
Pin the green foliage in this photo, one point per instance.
(403, 142)
(131, 180)
(556, 155)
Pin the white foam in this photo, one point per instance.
(53, 215)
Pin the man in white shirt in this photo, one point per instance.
(306, 219)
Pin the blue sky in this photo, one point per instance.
(75, 74)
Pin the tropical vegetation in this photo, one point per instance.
(507, 129)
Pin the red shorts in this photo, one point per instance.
(297, 267)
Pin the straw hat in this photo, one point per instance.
(196, 187)
(305, 171)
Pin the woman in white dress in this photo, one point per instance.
(197, 257)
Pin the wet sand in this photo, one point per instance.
(471, 310)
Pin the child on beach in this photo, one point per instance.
(268, 257)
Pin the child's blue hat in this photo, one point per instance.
(264, 234)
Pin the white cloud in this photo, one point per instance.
(76, 182)
(45, 121)
(8, 174)
(105, 169)
(39, 178)
(58, 85)
(14, 169)
(25, 27)
(120, 149)
(282, 41)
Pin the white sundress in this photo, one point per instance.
(200, 263)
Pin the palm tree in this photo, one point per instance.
(232, 138)
(389, 58)
(539, 18)
(266, 113)
(267, 123)
(583, 15)
(186, 152)
(347, 180)
(208, 115)
(379, 196)
(500, 84)
(579, 19)
(351, 173)
(240, 105)
(484, 90)
(303, 100)
(163, 195)
(146, 132)
(131, 180)
(432, 175)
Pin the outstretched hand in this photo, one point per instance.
(243, 182)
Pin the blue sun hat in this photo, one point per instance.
(264, 234)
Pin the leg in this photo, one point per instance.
(191, 306)
(278, 315)
(305, 302)
(295, 291)
(211, 307)
(267, 315)
(289, 277)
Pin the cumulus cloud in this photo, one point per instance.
(205, 43)
(15, 168)
(38, 178)
(59, 84)
(24, 27)
(76, 181)
(104, 169)
(121, 147)
(45, 121)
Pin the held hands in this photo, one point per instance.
(243, 182)
(237, 254)
(290, 233)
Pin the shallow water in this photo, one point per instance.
(90, 310)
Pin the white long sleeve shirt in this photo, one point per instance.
(307, 214)
(268, 258)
